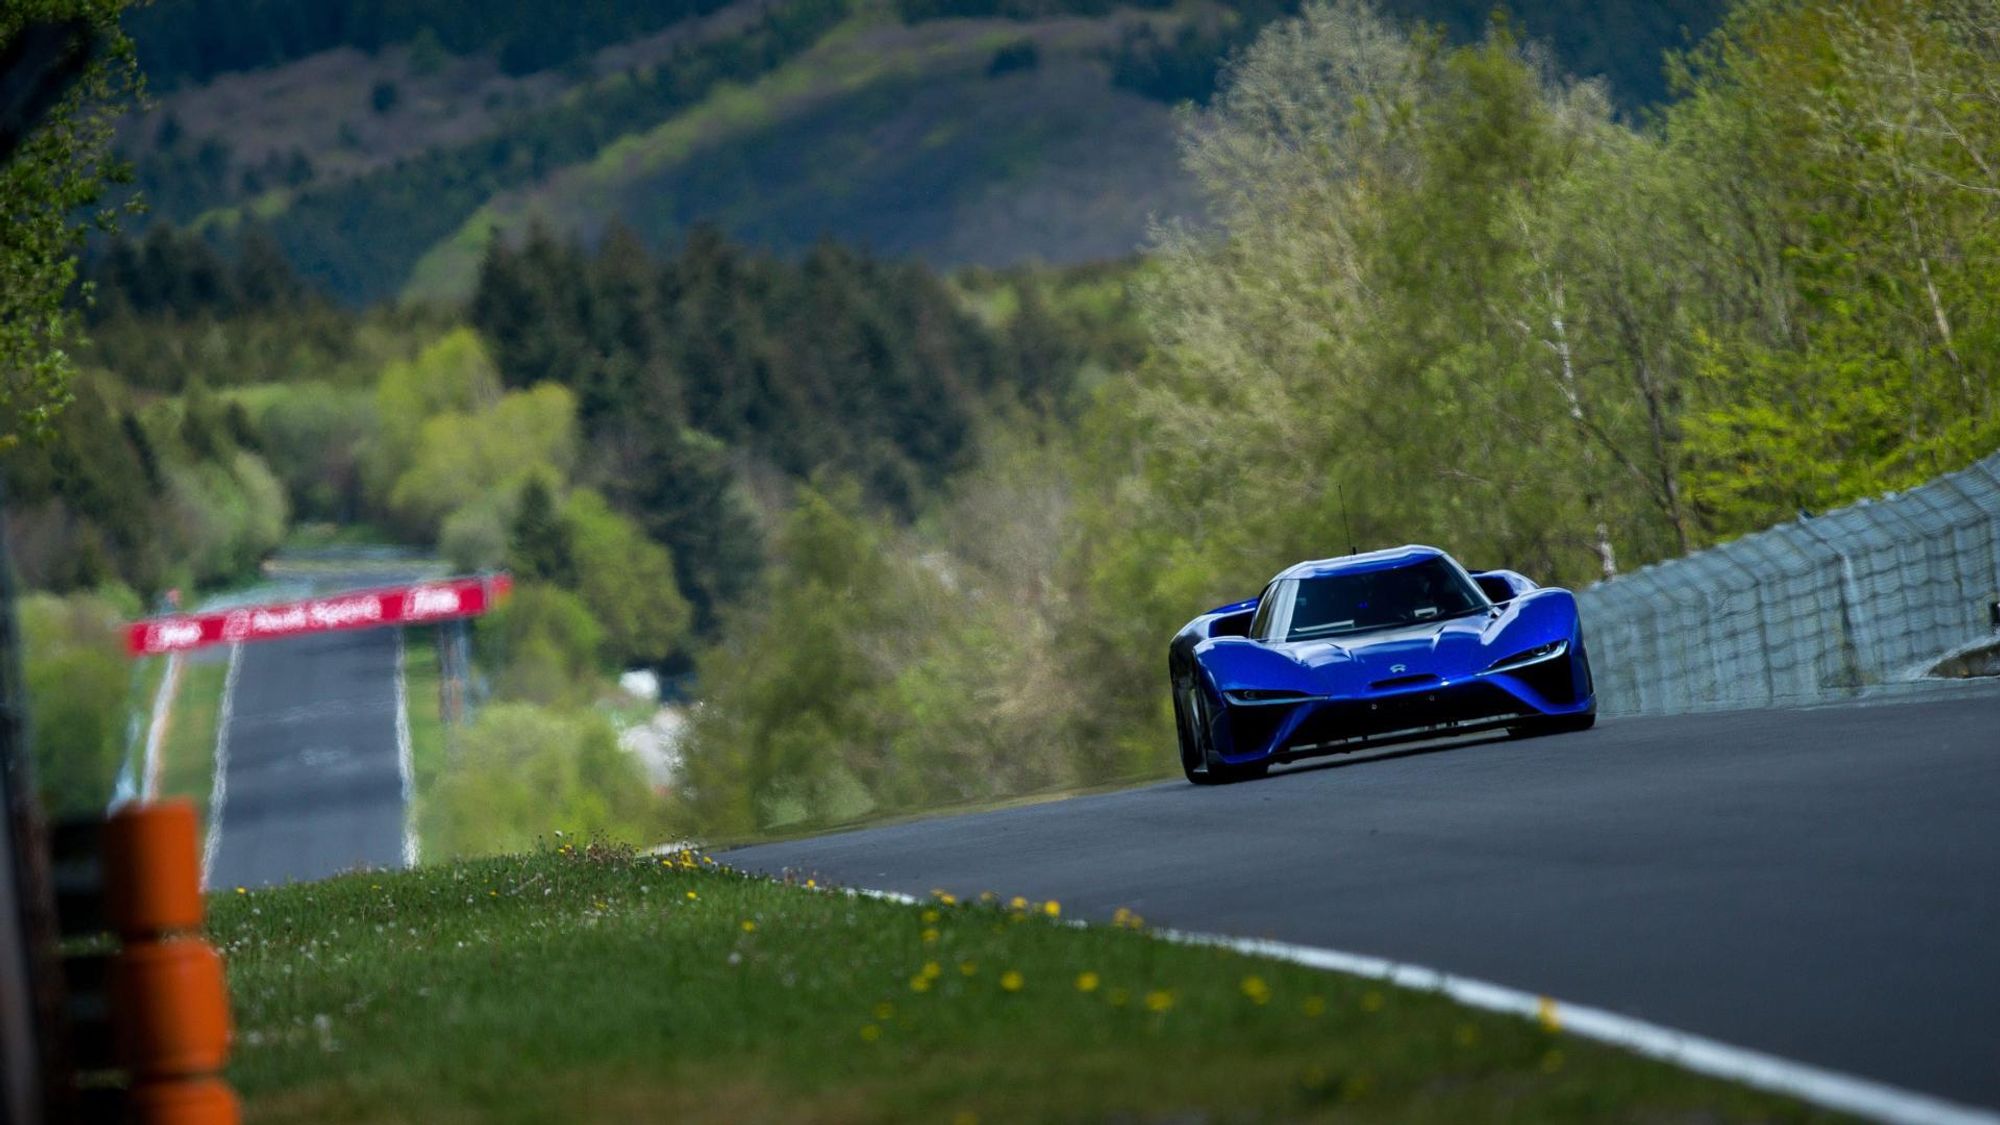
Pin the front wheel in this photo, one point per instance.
(1199, 761)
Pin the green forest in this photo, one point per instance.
(915, 537)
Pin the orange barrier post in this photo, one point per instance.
(169, 1000)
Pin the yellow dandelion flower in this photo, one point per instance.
(931, 916)
(932, 971)
(1086, 981)
(810, 885)
(1159, 1000)
(948, 900)
(1547, 1015)
(1120, 916)
(883, 1010)
(1371, 1001)
(1017, 903)
(870, 1033)
(692, 896)
(1256, 990)
(968, 968)
(493, 894)
(1012, 980)
(930, 937)
(1313, 1006)
(241, 891)
(988, 896)
(749, 927)
(920, 983)
(1052, 908)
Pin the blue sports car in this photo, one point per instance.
(1372, 648)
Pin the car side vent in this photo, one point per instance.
(1404, 682)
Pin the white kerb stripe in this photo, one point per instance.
(1827, 1088)
(1830, 1089)
(218, 790)
(403, 763)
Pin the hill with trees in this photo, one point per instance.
(382, 146)
(914, 535)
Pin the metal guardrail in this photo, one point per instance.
(1824, 606)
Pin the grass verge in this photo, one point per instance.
(596, 985)
(187, 753)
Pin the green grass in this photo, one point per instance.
(595, 985)
(187, 754)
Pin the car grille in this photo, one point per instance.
(1461, 705)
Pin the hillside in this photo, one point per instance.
(382, 148)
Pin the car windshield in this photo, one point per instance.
(1380, 599)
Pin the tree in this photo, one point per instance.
(52, 191)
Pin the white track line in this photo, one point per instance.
(218, 791)
(156, 732)
(404, 764)
(1829, 1089)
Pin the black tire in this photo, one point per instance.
(1199, 762)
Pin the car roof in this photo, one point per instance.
(1362, 563)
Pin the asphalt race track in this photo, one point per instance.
(313, 785)
(1821, 884)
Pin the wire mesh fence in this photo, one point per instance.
(1827, 605)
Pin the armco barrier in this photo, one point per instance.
(1826, 605)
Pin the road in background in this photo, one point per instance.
(313, 784)
(1821, 884)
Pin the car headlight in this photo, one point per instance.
(1258, 697)
(1530, 656)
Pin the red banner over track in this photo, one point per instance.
(362, 609)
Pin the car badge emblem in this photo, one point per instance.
(1395, 669)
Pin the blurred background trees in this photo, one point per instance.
(913, 536)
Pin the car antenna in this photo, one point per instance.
(1352, 547)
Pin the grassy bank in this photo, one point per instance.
(187, 753)
(587, 984)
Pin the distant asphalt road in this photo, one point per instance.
(313, 784)
(1821, 884)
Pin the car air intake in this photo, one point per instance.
(1395, 682)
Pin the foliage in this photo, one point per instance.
(870, 675)
(51, 192)
(360, 237)
(195, 40)
(1447, 296)
(225, 515)
(1840, 152)
(545, 644)
(462, 457)
(520, 772)
(79, 696)
(626, 580)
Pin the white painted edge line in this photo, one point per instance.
(1826, 1088)
(404, 764)
(218, 791)
(156, 729)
